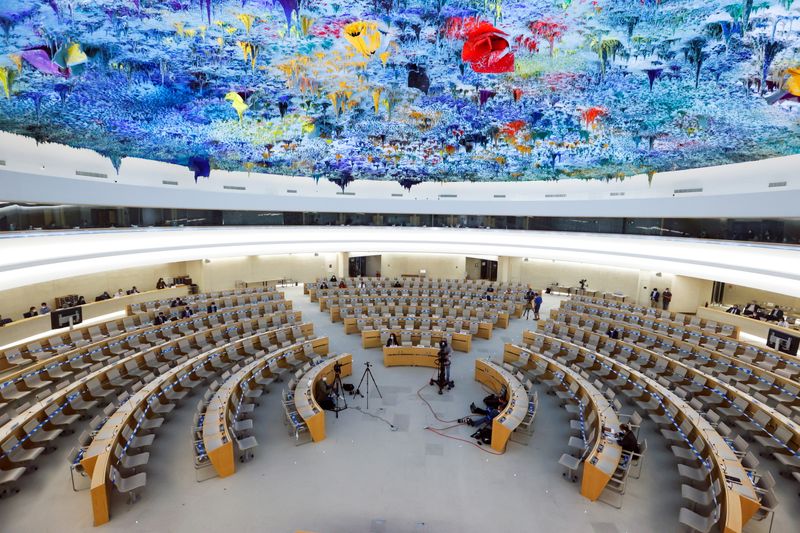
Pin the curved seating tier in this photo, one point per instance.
(745, 375)
(717, 463)
(113, 380)
(225, 431)
(673, 318)
(229, 298)
(14, 332)
(415, 286)
(305, 403)
(518, 406)
(781, 363)
(119, 437)
(36, 351)
(451, 306)
(460, 342)
(773, 429)
(599, 453)
(38, 379)
(481, 329)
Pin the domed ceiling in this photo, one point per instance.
(407, 90)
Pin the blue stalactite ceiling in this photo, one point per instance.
(407, 90)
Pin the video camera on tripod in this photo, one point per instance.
(442, 379)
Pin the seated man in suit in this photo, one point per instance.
(4, 321)
(734, 310)
(776, 315)
(212, 308)
(751, 309)
(187, 312)
(160, 319)
(31, 313)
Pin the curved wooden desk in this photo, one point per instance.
(410, 356)
(218, 438)
(739, 499)
(602, 459)
(461, 342)
(304, 401)
(495, 378)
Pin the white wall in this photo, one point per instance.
(218, 274)
(541, 273)
(736, 294)
(14, 302)
(435, 265)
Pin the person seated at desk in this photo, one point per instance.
(751, 309)
(397, 285)
(333, 278)
(81, 301)
(323, 393)
(783, 323)
(133, 290)
(776, 315)
(44, 309)
(212, 308)
(392, 340)
(160, 319)
(4, 321)
(490, 289)
(613, 333)
(161, 284)
(734, 310)
(323, 286)
(104, 296)
(187, 312)
(627, 439)
(31, 313)
(486, 296)
(120, 293)
(342, 285)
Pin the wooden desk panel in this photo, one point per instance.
(461, 342)
(410, 356)
(304, 400)
(495, 378)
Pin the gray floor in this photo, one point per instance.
(365, 477)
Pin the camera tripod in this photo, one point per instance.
(367, 375)
(338, 390)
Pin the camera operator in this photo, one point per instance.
(323, 393)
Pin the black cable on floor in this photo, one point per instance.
(392, 426)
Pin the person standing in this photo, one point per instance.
(537, 304)
(528, 308)
(666, 298)
(654, 296)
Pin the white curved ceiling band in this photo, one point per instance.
(28, 258)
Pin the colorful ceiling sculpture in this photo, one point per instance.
(407, 90)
